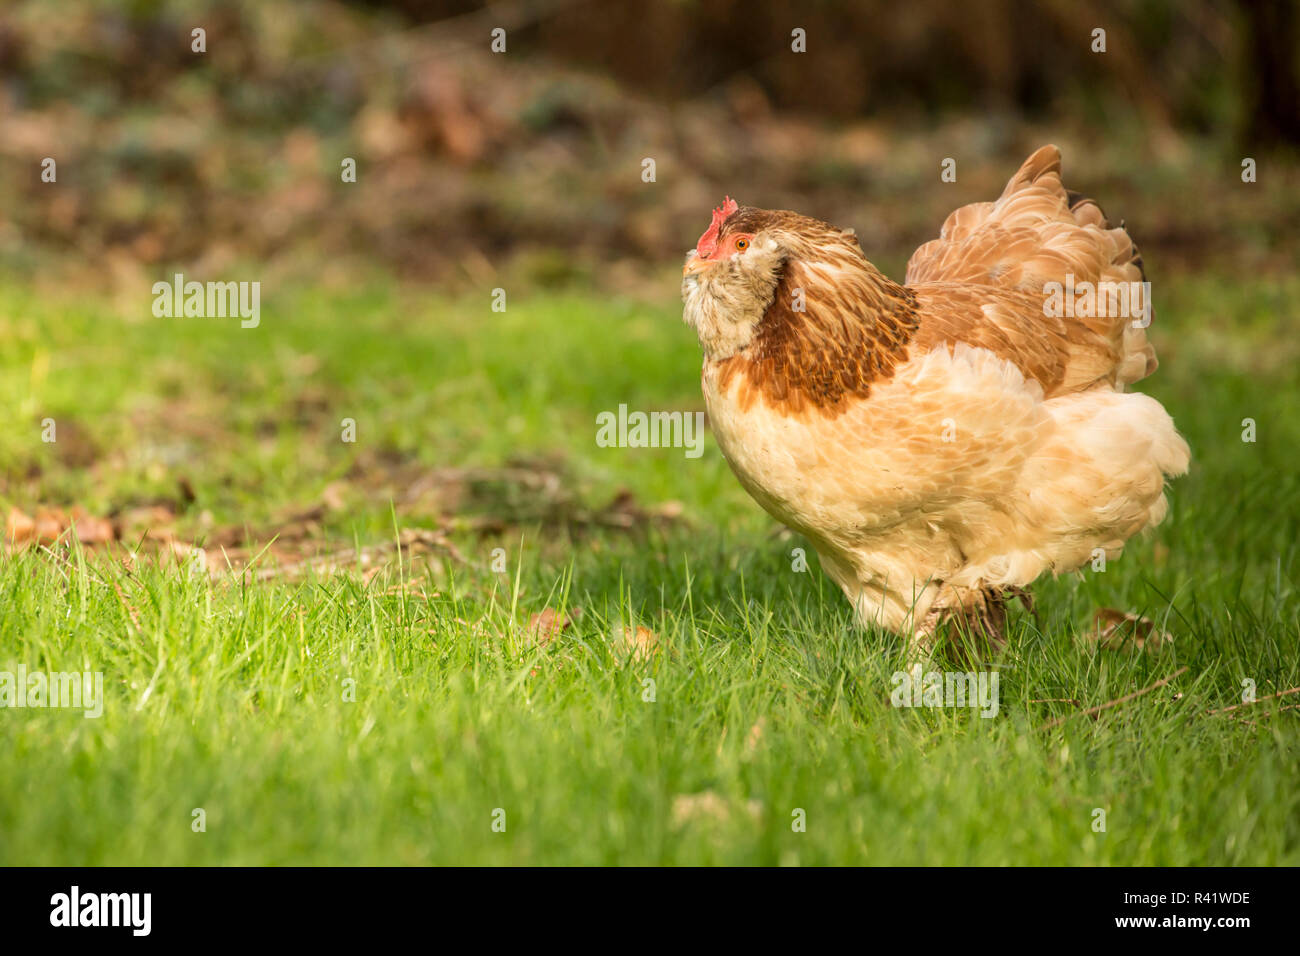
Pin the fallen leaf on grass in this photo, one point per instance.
(53, 524)
(1115, 631)
(18, 527)
(49, 525)
(636, 644)
(91, 529)
(546, 625)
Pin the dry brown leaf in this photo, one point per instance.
(1115, 630)
(54, 524)
(19, 528)
(50, 523)
(90, 529)
(636, 644)
(547, 624)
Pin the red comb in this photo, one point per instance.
(708, 243)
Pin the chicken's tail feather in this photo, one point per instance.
(1042, 238)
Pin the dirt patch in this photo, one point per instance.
(443, 502)
(492, 501)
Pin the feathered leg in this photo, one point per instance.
(976, 617)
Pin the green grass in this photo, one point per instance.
(228, 694)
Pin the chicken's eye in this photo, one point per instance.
(742, 245)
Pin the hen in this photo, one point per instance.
(941, 443)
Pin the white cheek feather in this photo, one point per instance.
(725, 303)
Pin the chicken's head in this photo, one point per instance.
(732, 275)
(729, 279)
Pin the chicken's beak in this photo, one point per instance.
(694, 266)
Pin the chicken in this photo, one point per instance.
(943, 443)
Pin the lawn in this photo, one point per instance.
(393, 705)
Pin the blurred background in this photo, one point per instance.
(530, 161)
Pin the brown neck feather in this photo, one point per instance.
(853, 332)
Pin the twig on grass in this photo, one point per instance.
(1115, 703)
(1267, 713)
(1252, 703)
